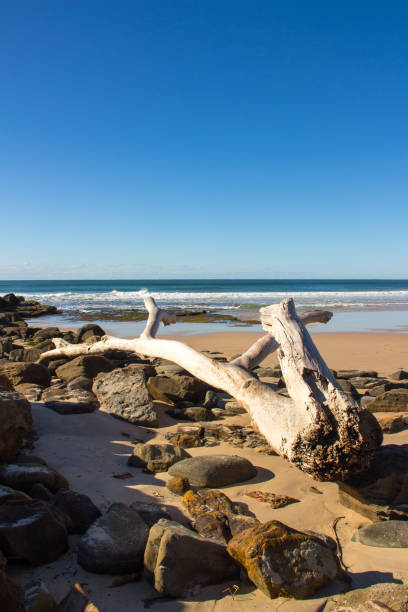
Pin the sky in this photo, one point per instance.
(203, 138)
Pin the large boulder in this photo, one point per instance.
(395, 400)
(32, 530)
(46, 333)
(84, 365)
(381, 492)
(371, 599)
(79, 507)
(26, 470)
(400, 375)
(123, 393)
(33, 354)
(385, 534)
(281, 561)
(19, 373)
(157, 457)
(177, 388)
(214, 470)
(115, 543)
(15, 422)
(177, 560)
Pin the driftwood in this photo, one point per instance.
(320, 429)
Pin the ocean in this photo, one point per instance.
(237, 296)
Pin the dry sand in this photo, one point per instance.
(88, 449)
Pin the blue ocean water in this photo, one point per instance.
(214, 294)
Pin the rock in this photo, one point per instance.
(158, 456)
(210, 399)
(178, 485)
(79, 507)
(216, 517)
(177, 388)
(197, 413)
(400, 375)
(46, 333)
(91, 329)
(31, 392)
(356, 373)
(33, 354)
(15, 423)
(16, 354)
(151, 513)
(393, 423)
(169, 369)
(361, 382)
(115, 543)
(19, 373)
(385, 534)
(262, 372)
(77, 601)
(179, 560)
(348, 387)
(38, 598)
(207, 500)
(390, 594)
(82, 383)
(7, 494)
(233, 408)
(53, 364)
(69, 401)
(84, 365)
(5, 383)
(395, 400)
(382, 387)
(380, 493)
(11, 595)
(214, 470)
(124, 394)
(281, 561)
(273, 499)
(39, 491)
(24, 472)
(32, 530)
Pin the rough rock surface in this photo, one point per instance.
(15, 423)
(395, 596)
(66, 400)
(214, 470)
(395, 400)
(178, 485)
(79, 507)
(115, 543)
(19, 373)
(400, 375)
(32, 530)
(176, 388)
(26, 470)
(393, 423)
(385, 534)
(380, 493)
(84, 365)
(284, 562)
(216, 517)
(151, 513)
(178, 560)
(157, 457)
(124, 394)
(30, 391)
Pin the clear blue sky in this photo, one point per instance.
(162, 138)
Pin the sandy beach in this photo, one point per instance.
(90, 448)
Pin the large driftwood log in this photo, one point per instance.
(319, 428)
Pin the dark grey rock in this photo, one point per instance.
(380, 493)
(23, 474)
(123, 393)
(395, 400)
(214, 470)
(79, 507)
(151, 513)
(178, 560)
(31, 530)
(84, 365)
(385, 534)
(400, 375)
(115, 543)
(19, 373)
(15, 423)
